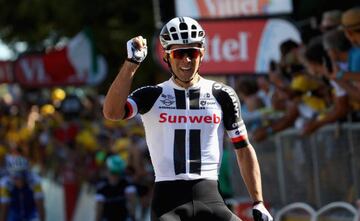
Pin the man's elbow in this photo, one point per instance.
(111, 114)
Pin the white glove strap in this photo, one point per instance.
(265, 215)
(134, 54)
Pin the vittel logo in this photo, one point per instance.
(208, 119)
(229, 49)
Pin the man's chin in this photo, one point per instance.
(185, 79)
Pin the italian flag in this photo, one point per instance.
(76, 63)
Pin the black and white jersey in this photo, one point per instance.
(184, 127)
(114, 199)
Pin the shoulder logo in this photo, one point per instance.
(167, 99)
(207, 95)
(217, 86)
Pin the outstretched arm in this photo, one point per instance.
(339, 111)
(250, 171)
(115, 99)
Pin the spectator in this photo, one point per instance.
(351, 25)
(266, 90)
(289, 61)
(21, 196)
(330, 20)
(290, 66)
(338, 47)
(298, 107)
(247, 90)
(282, 103)
(316, 58)
(115, 196)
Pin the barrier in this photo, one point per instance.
(315, 215)
(317, 169)
(295, 206)
(335, 205)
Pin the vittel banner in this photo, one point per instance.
(6, 72)
(241, 46)
(231, 8)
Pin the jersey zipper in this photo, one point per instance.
(187, 132)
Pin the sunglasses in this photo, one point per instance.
(180, 53)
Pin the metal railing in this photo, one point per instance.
(317, 170)
(316, 215)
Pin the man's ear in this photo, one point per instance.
(166, 57)
(202, 53)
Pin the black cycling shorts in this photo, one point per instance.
(189, 200)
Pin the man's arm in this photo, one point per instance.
(351, 89)
(250, 171)
(283, 123)
(245, 153)
(115, 99)
(340, 110)
(351, 76)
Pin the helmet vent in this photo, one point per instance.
(175, 36)
(183, 26)
(184, 35)
(181, 30)
(166, 37)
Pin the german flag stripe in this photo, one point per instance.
(238, 139)
(129, 111)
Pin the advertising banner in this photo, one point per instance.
(241, 46)
(6, 72)
(75, 64)
(46, 70)
(231, 8)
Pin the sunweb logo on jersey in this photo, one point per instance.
(196, 119)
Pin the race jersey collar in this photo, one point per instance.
(196, 85)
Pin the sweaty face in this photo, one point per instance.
(185, 60)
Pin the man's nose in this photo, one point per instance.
(187, 58)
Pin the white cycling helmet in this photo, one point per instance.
(181, 30)
(16, 164)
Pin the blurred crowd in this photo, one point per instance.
(315, 83)
(62, 132)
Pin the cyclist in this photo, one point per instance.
(184, 120)
(21, 196)
(115, 196)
